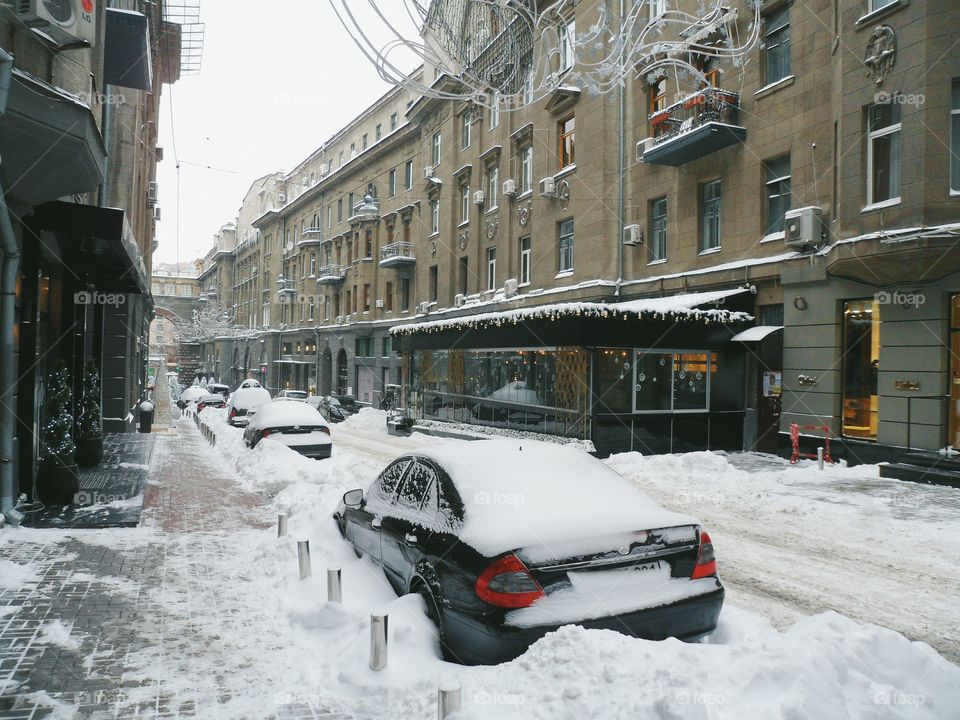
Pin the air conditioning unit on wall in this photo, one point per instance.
(424, 308)
(510, 287)
(548, 187)
(65, 21)
(632, 235)
(478, 197)
(803, 227)
(509, 187)
(427, 172)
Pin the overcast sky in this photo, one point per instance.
(277, 80)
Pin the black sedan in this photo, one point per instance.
(507, 541)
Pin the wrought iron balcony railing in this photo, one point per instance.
(397, 254)
(698, 125)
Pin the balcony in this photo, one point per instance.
(397, 254)
(311, 236)
(331, 274)
(696, 126)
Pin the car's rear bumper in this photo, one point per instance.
(474, 642)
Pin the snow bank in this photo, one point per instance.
(368, 420)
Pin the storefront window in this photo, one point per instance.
(673, 381)
(690, 381)
(612, 377)
(653, 386)
(861, 361)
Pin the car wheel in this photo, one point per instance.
(433, 612)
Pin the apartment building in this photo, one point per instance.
(700, 260)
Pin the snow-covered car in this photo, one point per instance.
(300, 395)
(332, 412)
(295, 424)
(220, 389)
(507, 540)
(214, 400)
(244, 401)
(189, 397)
(347, 403)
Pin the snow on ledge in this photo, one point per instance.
(685, 307)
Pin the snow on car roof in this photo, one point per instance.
(287, 413)
(211, 397)
(550, 500)
(249, 397)
(194, 392)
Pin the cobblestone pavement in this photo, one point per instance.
(104, 623)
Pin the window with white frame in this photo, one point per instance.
(565, 263)
(528, 89)
(710, 215)
(777, 192)
(392, 183)
(495, 110)
(526, 258)
(435, 216)
(491, 268)
(883, 153)
(435, 158)
(466, 129)
(877, 4)
(464, 203)
(955, 137)
(776, 45)
(526, 168)
(408, 175)
(657, 8)
(493, 186)
(393, 121)
(658, 229)
(568, 44)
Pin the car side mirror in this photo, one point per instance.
(353, 498)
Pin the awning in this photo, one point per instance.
(96, 243)
(756, 334)
(293, 362)
(50, 144)
(127, 60)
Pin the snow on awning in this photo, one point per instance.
(756, 334)
(704, 307)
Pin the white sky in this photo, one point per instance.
(277, 80)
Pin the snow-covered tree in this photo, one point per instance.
(58, 446)
(212, 320)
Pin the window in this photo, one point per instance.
(495, 110)
(310, 316)
(658, 229)
(408, 175)
(388, 297)
(955, 137)
(329, 216)
(883, 153)
(350, 203)
(491, 268)
(657, 8)
(528, 89)
(393, 121)
(404, 294)
(526, 168)
(368, 243)
(464, 275)
(710, 215)
(861, 361)
(363, 142)
(673, 381)
(526, 256)
(348, 298)
(434, 216)
(378, 132)
(382, 491)
(392, 183)
(567, 132)
(568, 42)
(493, 186)
(566, 246)
(366, 297)
(777, 190)
(353, 149)
(436, 150)
(340, 210)
(385, 347)
(433, 283)
(776, 45)
(464, 204)
(657, 96)
(877, 4)
(313, 264)
(466, 129)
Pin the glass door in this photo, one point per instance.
(861, 362)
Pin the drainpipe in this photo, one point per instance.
(621, 208)
(10, 253)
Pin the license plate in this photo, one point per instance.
(646, 567)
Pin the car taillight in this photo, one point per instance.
(706, 560)
(200, 407)
(508, 584)
(265, 433)
(233, 412)
(324, 429)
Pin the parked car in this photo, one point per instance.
(189, 397)
(295, 424)
(293, 394)
(214, 400)
(332, 412)
(507, 540)
(220, 389)
(244, 401)
(347, 403)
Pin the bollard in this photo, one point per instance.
(378, 641)
(303, 553)
(449, 698)
(281, 525)
(820, 457)
(334, 590)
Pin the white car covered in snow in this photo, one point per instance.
(244, 401)
(295, 424)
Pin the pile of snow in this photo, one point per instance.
(368, 420)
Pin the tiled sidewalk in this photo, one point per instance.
(107, 622)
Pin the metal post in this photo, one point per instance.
(281, 525)
(378, 641)
(448, 699)
(334, 589)
(303, 553)
(820, 457)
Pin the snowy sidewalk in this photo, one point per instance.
(100, 624)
